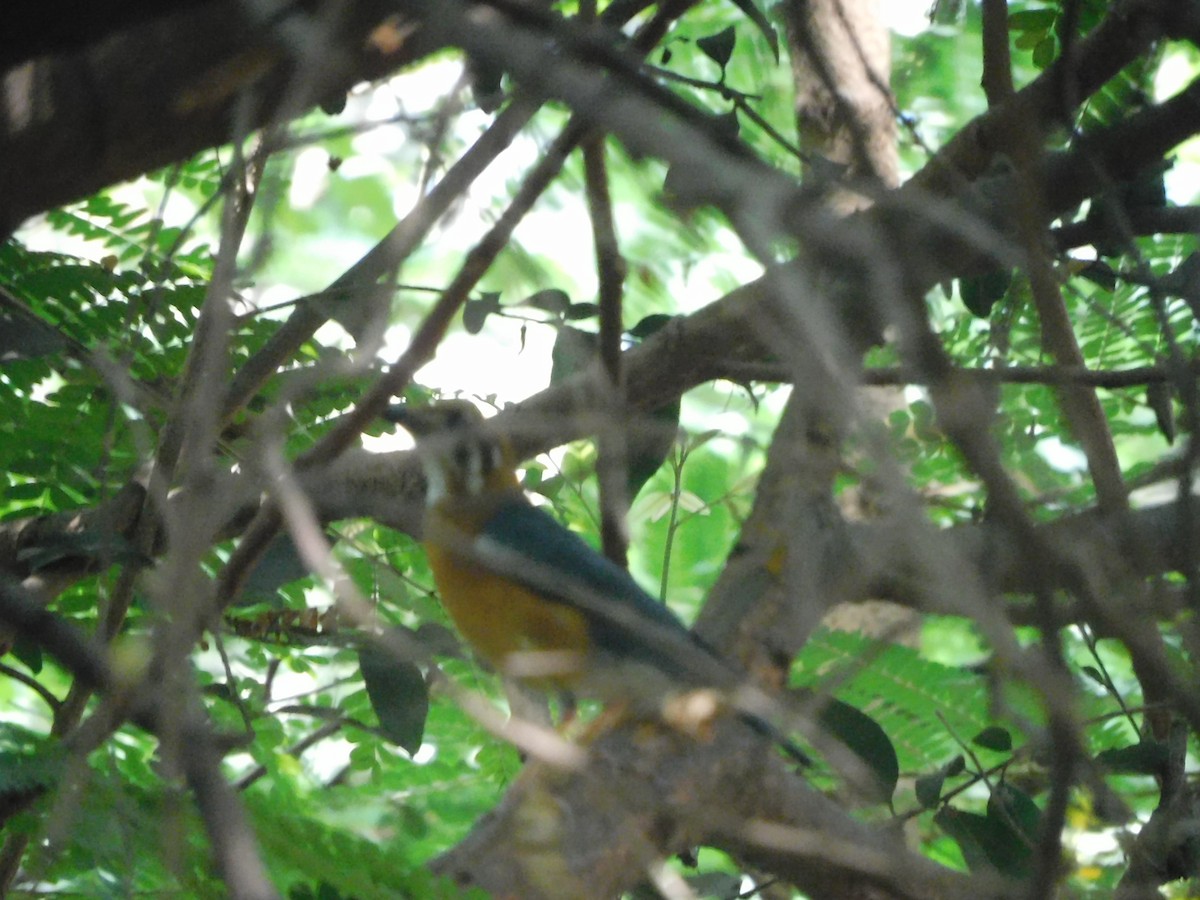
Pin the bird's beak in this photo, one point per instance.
(433, 418)
(419, 421)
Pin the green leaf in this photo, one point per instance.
(715, 884)
(1045, 52)
(982, 292)
(579, 311)
(82, 545)
(719, 47)
(574, 350)
(929, 789)
(439, 640)
(1101, 274)
(551, 300)
(986, 842)
(865, 739)
(649, 444)
(486, 85)
(279, 564)
(649, 325)
(398, 694)
(1142, 758)
(761, 22)
(1032, 20)
(476, 311)
(994, 738)
(29, 653)
(21, 773)
(1015, 808)
(26, 338)
(1158, 398)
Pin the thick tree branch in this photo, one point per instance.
(49, 553)
(74, 123)
(648, 793)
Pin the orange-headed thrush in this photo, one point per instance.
(532, 598)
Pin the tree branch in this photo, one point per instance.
(234, 845)
(77, 122)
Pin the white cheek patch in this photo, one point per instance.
(474, 473)
(435, 480)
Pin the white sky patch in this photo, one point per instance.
(491, 362)
(1178, 69)
(1061, 456)
(310, 178)
(906, 17)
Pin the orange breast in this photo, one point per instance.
(499, 618)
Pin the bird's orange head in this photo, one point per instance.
(462, 459)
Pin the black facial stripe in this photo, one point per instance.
(462, 456)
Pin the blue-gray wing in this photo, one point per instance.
(536, 538)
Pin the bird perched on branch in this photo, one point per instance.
(532, 598)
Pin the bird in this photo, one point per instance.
(533, 599)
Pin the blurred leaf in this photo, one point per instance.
(23, 776)
(994, 738)
(29, 653)
(439, 640)
(476, 311)
(714, 884)
(279, 564)
(90, 545)
(649, 443)
(1158, 398)
(1142, 758)
(1037, 20)
(573, 351)
(929, 789)
(398, 694)
(1045, 52)
(862, 736)
(23, 338)
(752, 12)
(1100, 273)
(578, 311)
(648, 325)
(719, 47)
(982, 292)
(551, 300)
(986, 841)
(1014, 807)
(485, 84)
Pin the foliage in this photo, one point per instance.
(356, 767)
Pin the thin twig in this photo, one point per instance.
(33, 684)
(613, 460)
